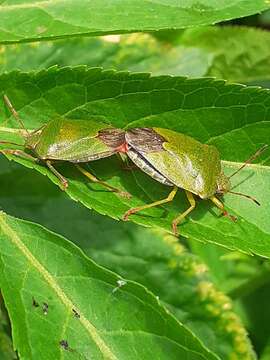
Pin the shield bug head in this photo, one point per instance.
(75, 141)
(223, 184)
(179, 161)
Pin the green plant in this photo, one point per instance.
(119, 290)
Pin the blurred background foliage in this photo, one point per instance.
(229, 283)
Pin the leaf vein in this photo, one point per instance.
(16, 240)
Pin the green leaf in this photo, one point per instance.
(234, 53)
(158, 262)
(234, 273)
(266, 352)
(239, 54)
(182, 283)
(48, 284)
(30, 20)
(232, 117)
(136, 52)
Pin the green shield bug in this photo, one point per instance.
(66, 140)
(179, 161)
(172, 158)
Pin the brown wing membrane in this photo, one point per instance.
(113, 138)
(144, 140)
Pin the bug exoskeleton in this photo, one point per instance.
(75, 141)
(172, 158)
(179, 161)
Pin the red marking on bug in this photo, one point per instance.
(123, 148)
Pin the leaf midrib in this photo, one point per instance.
(90, 328)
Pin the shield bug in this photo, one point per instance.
(179, 161)
(72, 141)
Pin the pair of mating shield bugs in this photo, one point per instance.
(172, 158)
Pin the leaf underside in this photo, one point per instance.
(49, 19)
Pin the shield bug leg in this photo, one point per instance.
(125, 163)
(181, 217)
(220, 205)
(103, 183)
(169, 198)
(129, 167)
(10, 143)
(19, 153)
(63, 180)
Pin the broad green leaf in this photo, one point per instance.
(232, 117)
(235, 53)
(239, 54)
(55, 294)
(23, 20)
(178, 278)
(136, 52)
(181, 281)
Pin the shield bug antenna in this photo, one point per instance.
(17, 118)
(246, 196)
(15, 114)
(11, 143)
(248, 161)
